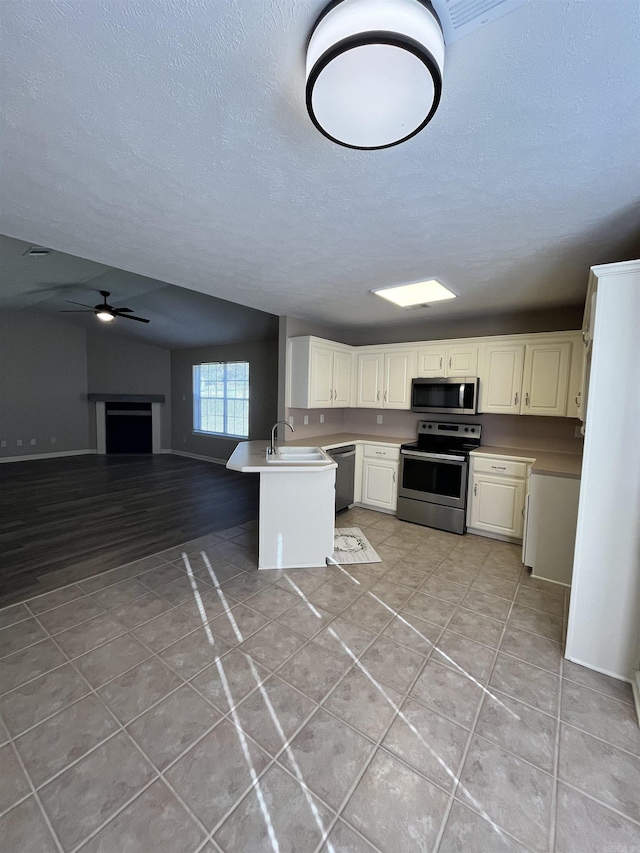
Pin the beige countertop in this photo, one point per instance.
(544, 462)
(337, 439)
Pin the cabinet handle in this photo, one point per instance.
(526, 399)
(385, 396)
(578, 398)
(475, 490)
(379, 452)
(449, 364)
(515, 402)
(330, 394)
(378, 396)
(440, 368)
(585, 332)
(335, 394)
(394, 476)
(499, 467)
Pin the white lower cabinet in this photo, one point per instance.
(497, 489)
(380, 476)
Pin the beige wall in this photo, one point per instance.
(263, 395)
(43, 385)
(120, 365)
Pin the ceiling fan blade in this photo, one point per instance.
(123, 310)
(76, 311)
(71, 302)
(131, 317)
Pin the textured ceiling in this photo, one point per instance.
(171, 139)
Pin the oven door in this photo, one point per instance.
(433, 477)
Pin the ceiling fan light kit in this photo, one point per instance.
(374, 71)
(105, 312)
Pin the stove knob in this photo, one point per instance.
(473, 429)
(466, 429)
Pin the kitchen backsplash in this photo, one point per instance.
(537, 433)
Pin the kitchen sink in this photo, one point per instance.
(292, 455)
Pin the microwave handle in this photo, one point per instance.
(461, 395)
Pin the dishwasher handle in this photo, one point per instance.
(342, 452)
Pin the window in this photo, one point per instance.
(221, 398)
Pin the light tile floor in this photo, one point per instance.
(189, 703)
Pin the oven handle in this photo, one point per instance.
(455, 460)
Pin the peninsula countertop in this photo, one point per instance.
(251, 457)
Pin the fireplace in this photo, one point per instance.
(128, 423)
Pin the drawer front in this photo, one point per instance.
(380, 451)
(505, 467)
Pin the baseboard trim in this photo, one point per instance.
(197, 456)
(608, 672)
(57, 455)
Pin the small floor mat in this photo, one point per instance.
(350, 545)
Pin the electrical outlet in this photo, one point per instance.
(53, 439)
(379, 419)
(291, 419)
(33, 441)
(3, 443)
(19, 442)
(306, 419)
(321, 419)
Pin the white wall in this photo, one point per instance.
(605, 598)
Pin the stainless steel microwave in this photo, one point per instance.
(445, 396)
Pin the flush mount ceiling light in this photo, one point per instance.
(374, 71)
(418, 293)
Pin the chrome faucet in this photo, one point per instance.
(272, 447)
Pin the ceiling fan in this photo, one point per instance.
(104, 311)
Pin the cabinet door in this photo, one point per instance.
(341, 378)
(369, 393)
(501, 378)
(379, 484)
(545, 379)
(321, 390)
(431, 362)
(497, 504)
(398, 367)
(462, 361)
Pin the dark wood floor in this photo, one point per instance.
(64, 519)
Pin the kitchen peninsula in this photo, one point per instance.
(297, 498)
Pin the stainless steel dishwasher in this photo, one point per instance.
(345, 473)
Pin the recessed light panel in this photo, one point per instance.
(418, 293)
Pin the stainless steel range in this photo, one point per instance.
(433, 475)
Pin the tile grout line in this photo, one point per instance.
(473, 734)
(120, 729)
(35, 795)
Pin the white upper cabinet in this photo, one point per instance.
(451, 360)
(530, 378)
(399, 370)
(369, 380)
(501, 378)
(539, 374)
(545, 379)
(319, 373)
(384, 378)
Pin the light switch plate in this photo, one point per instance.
(306, 420)
(321, 419)
(379, 419)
